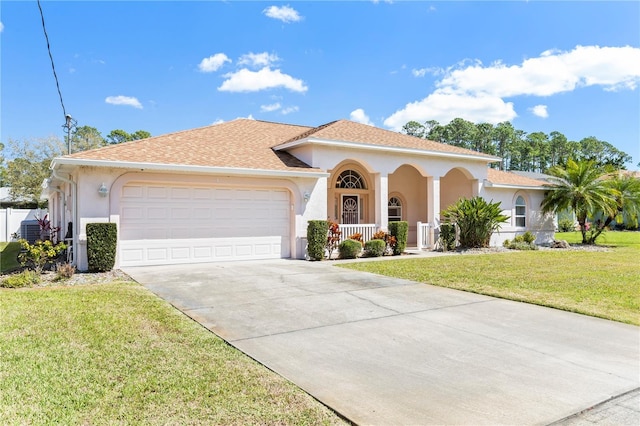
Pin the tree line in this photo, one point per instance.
(519, 150)
(29, 159)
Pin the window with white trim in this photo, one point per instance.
(395, 209)
(350, 179)
(521, 212)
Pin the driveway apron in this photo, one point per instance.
(388, 351)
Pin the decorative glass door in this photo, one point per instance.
(350, 209)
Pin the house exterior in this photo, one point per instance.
(245, 189)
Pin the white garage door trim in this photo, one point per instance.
(165, 223)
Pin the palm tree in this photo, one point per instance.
(579, 186)
(625, 202)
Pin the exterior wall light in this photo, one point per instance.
(103, 190)
(306, 197)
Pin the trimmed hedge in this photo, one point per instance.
(317, 238)
(374, 248)
(349, 249)
(448, 236)
(400, 230)
(102, 239)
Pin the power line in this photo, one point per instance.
(53, 67)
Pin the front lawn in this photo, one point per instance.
(9, 257)
(597, 283)
(116, 354)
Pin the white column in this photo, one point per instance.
(476, 187)
(433, 206)
(382, 201)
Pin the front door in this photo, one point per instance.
(350, 209)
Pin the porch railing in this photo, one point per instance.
(424, 236)
(366, 229)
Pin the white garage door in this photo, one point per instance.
(167, 223)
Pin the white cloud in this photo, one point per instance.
(289, 110)
(124, 100)
(476, 92)
(213, 62)
(246, 80)
(359, 116)
(217, 121)
(419, 73)
(444, 107)
(552, 72)
(285, 13)
(270, 107)
(540, 111)
(1, 27)
(258, 60)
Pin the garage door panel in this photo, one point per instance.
(172, 224)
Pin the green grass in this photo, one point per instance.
(617, 238)
(9, 257)
(601, 284)
(116, 354)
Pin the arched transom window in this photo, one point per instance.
(395, 209)
(521, 212)
(350, 179)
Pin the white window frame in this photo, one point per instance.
(520, 212)
(398, 205)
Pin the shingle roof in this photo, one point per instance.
(506, 178)
(349, 131)
(241, 143)
(253, 144)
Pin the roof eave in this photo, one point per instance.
(386, 148)
(63, 161)
(490, 184)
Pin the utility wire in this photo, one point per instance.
(53, 67)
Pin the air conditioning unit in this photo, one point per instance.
(30, 230)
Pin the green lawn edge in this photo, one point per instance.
(604, 284)
(117, 354)
(9, 257)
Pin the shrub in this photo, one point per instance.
(522, 242)
(349, 249)
(38, 255)
(317, 238)
(101, 246)
(521, 245)
(566, 225)
(448, 236)
(26, 278)
(389, 239)
(528, 237)
(64, 271)
(476, 219)
(356, 237)
(399, 230)
(374, 248)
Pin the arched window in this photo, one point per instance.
(521, 212)
(350, 179)
(395, 209)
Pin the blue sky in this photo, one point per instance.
(573, 67)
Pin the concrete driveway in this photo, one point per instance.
(389, 351)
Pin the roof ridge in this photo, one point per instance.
(308, 132)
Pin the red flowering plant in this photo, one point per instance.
(333, 238)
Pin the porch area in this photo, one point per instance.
(425, 234)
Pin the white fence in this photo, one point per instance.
(423, 238)
(366, 229)
(10, 220)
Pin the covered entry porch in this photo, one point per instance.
(363, 199)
